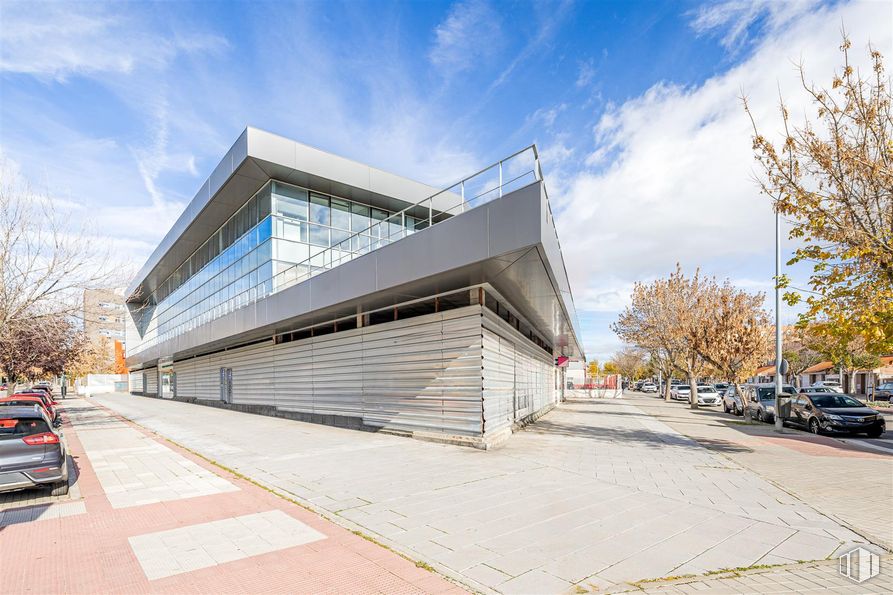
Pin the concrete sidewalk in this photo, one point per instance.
(594, 495)
(850, 484)
(150, 517)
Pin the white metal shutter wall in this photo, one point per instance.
(421, 373)
(135, 380)
(515, 371)
(151, 380)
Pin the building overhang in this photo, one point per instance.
(509, 243)
(255, 158)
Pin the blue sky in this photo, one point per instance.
(120, 111)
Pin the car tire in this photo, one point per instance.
(738, 412)
(814, 427)
(59, 489)
(759, 415)
(725, 407)
(876, 433)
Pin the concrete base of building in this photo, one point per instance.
(488, 442)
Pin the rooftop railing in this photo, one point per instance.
(506, 175)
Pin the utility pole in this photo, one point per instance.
(778, 358)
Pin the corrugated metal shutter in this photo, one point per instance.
(151, 380)
(422, 373)
(519, 377)
(135, 380)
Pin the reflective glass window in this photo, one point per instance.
(319, 209)
(319, 236)
(359, 217)
(291, 201)
(340, 213)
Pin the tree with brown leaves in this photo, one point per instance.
(834, 179)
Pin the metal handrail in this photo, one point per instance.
(344, 246)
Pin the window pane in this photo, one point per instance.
(340, 236)
(319, 209)
(340, 213)
(291, 201)
(263, 202)
(359, 217)
(319, 236)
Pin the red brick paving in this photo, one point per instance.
(89, 553)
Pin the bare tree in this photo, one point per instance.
(630, 362)
(45, 260)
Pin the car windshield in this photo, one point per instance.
(683, 387)
(886, 386)
(704, 388)
(835, 400)
(768, 392)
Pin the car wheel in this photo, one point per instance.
(814, 427)
(725, 407)
(759, 415)
(738, 411)
(59, 489)
(876, 433)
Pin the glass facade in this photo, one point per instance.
(283, 235)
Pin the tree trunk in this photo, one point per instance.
(693, 394)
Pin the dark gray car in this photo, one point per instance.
(32, 453)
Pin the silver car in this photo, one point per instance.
(32, 453)
(731, 401)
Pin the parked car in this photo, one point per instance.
(649, 387)
(817, 389)
(832, 384)
(47, 400)
(30, 401)
(680, 392)
(883, 392)
(32, 453)
(721, 388)
(835, 413)
(761, 399)
(42, 387)
(731, 401)
(707, 395)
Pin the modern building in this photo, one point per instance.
(104, 321)
(302, 284)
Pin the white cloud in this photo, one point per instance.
(471, 32)
(586, 74)
(733, 19)
(56, 40)
(670, 175)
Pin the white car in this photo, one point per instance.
(832, 384)
(708, 395)
(649, 387)
(680, 392)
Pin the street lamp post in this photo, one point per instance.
(778, 358)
